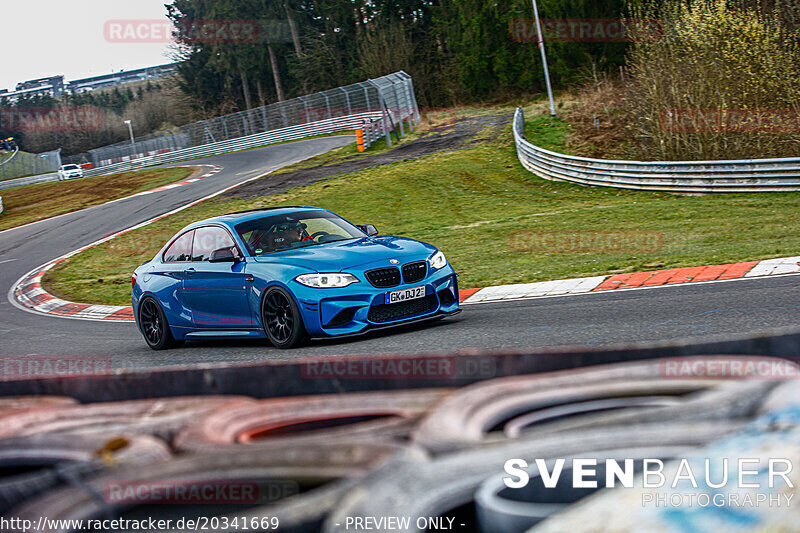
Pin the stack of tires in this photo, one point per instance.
(436, 456)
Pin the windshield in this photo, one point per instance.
(294, 230)
(69, 167)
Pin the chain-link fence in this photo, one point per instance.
(19, 164)
(392, 96)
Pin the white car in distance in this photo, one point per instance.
(67, 172)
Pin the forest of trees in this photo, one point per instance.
(457, 51)
(153, 105)
(713, 54)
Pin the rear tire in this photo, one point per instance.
(154, 326)
(281, 319)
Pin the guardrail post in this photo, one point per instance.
(399, 110)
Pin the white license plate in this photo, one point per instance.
(405, 294)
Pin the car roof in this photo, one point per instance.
(231, 219)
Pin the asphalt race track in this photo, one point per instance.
(668, 313)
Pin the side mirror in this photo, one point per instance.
(224, 255)
(369, 229)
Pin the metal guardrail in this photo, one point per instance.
(16, 151)
(748, 175)
(251, 141)
(372, 131)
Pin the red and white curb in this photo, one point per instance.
(28, 293)
(215, 169)
(633, 280)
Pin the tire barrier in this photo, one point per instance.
(782, 396)
(276, 478)
(48, 460)
(319, 462)
(516, 426)
(160, 417)
(20, 403)
(434, 488)
(369, 415)
(526, 403)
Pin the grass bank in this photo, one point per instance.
(30, 203)
(496, 222)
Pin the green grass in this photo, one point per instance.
(547, 132)
(30, 203)
(473, 204)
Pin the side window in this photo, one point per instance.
(181, 249)
(208, 239)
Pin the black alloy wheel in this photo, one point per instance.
(281, 319)
(154, 327)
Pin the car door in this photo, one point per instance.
(167, 280)
(216, 292)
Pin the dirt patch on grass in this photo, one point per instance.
(454, 135)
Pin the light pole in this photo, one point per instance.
(544, 59)
(133, 143)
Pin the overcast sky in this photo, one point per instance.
(41, 38)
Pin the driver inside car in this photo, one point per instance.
(285, 235)
(294, 232)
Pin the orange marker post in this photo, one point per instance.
(360, 140)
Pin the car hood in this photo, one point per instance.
(345, 255)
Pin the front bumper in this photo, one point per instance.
(369, 329)
(361, 307)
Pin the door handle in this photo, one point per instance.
(189, 271)
(249, 278)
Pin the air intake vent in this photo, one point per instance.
(398, 311)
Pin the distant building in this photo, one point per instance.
(54, 85)
(120, 78)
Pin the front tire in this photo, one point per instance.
(281, 319)
(154, 327)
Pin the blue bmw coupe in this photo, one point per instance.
(287, 274)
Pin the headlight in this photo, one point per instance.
(438, 260)
(326, 281)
